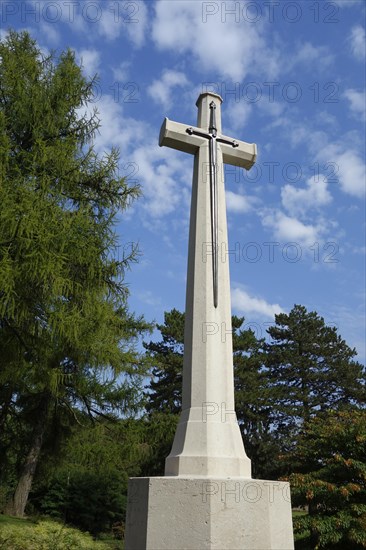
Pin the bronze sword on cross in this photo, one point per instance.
(235, 152)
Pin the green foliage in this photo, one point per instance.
(91, 501)
(43, 535)
(159, 434)
(306, 367)
(251, 401)
(66, 335)
(166, 357)
(331, 481)
(310, 369)
(62, 299)
(86, 485)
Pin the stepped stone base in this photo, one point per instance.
(175, 513)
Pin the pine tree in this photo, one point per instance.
(311, 369)
(65, 330)
(252, 401)
(166, 358)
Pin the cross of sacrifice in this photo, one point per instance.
(205, 498)
(208, 439)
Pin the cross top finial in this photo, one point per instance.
(211, 94)
(208, 102)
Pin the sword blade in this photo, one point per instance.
(214, 218)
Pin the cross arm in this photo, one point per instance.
(243, 154)
(175, 135)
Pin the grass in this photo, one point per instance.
(298, 513)
(18, 522)
(44, 533)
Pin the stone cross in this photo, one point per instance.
(207, 498)
(208, 440)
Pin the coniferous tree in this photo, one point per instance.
(65, 330)
(252, 401)
(166, 357)
(311, 369)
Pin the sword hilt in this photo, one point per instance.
(213, 129)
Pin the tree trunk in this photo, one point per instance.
(17, 503)
(5, 408)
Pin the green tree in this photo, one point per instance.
(85, 484)
(330, 459)
(252, 397)
(166, 357)
(311, 369)
(66, 334)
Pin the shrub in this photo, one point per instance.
(45, 535)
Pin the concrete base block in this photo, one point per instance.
(174, 513)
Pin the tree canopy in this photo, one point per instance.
(330, 480)
(66, 334)
(310, 369)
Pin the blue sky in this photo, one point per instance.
(292, 76)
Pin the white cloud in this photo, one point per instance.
(357, 39)
(357, 102)
(341, 159)
(352, 173)
(161, 172)
(298, 201)
(90, 60)
(237, 114)
(108, 20)
(359, 250)
(158, 168)
(270, 108)
(237, 203)
(347, 3)
(253, 306)
(117, 129)
(109, 24)
(137, 31)
(227, 47)
(49, 33)
(161, 90)
(318, 57)
(121, 72)
(291, 230)
(296, 134)
(149, 298)
(131, 20)
(350, 168)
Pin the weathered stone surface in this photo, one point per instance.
(173, 513)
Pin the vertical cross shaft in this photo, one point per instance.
(208, 440)
(212, 137)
